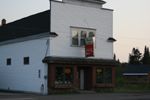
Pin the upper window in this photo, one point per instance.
(26, 60)
(80, 35)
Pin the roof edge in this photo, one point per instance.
(79, 60)
(25, 17)
(22, 39)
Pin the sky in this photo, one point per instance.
(131, 24)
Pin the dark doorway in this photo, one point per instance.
(85, 77)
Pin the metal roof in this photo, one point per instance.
(134, 69)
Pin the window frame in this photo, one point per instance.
(105, 76)
(8, 61)
(79, 30)
(64, 79)
(26, 60)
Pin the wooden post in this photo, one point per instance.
(75, 81)
(51, 76)
(93, 77)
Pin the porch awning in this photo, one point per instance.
(79, 61)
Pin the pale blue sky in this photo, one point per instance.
(15, 9)
(131, 20)
(131, 25)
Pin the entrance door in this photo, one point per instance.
(82, 79)
(85, 78)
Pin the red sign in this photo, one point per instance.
(89, 47)
(89, 50)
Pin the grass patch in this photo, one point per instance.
(130, 88)
(122, 86)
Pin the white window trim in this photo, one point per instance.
(79, 35)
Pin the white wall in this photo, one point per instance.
(20, 77)
(65, 15)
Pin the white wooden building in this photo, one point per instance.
(32, 59)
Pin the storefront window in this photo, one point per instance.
(108, 75)
(64, 75)
(103, 75)
(99, 75)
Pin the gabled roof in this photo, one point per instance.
(136, 69)
(31, 25)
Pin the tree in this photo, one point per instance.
(146, 56)
(114, 57)
(135, 56)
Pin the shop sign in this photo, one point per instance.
(67, 70)
(89, 47)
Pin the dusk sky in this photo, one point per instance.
(131, 20)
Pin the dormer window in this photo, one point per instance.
(79, 35)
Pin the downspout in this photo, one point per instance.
(44, 87)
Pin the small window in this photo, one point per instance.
(39, 73)
(26, 60)
(8, 61)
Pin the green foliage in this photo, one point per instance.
(135, 56)
(122, 86)
(119, 77)
(146, 56)
(114, 57)
(132, 88)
